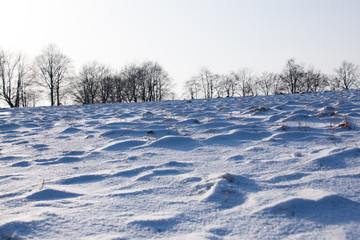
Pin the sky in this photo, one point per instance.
(185, 35)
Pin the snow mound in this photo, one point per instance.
(332, 209)
(176, 143)
(83, 179)
(237, 137)
(228, 190)
(124, 145)
(51, 194)
(71, 130)
(157, 223)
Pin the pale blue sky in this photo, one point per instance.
(184, 35)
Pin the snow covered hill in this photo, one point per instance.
(265, 167)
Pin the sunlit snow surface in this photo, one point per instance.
(273, 167)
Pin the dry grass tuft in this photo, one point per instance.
(257, 109)
(284, 127)
(5, 236)
(345, 124)
(228, 177)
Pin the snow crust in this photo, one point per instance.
(266, 167)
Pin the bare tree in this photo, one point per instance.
(347, 75)
(227, 85)
(219, 87)
(157, 81)
(192, 88)
(31, 98)
(15, 76)
(208, 82)
(105, 81)
(163, 84)
(267, 82)
(118, 91)
(293, 76)
(85, 87)
(314, 81)
(145, 82)
(244, 79)
(53, 68)
(94, 84)
(130, 78)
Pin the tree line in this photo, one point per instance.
(22, 82)
(294, 78)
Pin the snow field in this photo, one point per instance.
(265, 167)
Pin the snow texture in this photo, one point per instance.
(266, 167)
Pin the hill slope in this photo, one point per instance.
(250, 168)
